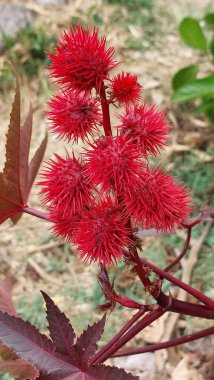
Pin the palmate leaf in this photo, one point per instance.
(96, 372)
(61, 331)
(9, 361)
(41, 352)
(89, 339)
(17, 177)
(6, 305)
(20, 369)
(28, 343)
(6, 302)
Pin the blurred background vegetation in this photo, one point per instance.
(147, 35)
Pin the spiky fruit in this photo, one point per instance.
(82, 60)
(114, 164)
(74, 115)
(146, 126)
(66, 186)
(160, 201)
(125, 89)
(102, 233)
(64, 225)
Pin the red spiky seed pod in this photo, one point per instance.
(159, 201)
(74, 115)
(146, 126)
(102, 233)
(82, 60)
(114, 163)
(65, 225)
(125, 89)
(66, 186)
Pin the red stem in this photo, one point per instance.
(192, 223)
(186, 308)
(139, 326)
(143, 274)
(105, 110)
(195, 293)
(170, 343)
(114, 340)
(168, 302)
(186, 246)
(37, 213)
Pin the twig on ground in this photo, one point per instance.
(43, 247)
(43, 274)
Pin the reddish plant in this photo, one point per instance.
(146, 126)
(74, 115)
(82, 61)
(125, 88)
(66, 185)
(98, 201)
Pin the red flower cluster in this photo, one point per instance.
(82, 60)
(158, 201)
(74, 115)
(125, 88)
(66, 186)
(102, 233)
(93, 199)
(146, 126)
(65, 225)
(114, 163)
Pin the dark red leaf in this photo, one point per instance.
(61, 331)
(19, 368)
(6, 353)
(25, 137)
(6, 305)
(10, 195)
(29, 344)
(97, 372)
(11, 168)
(86, 344)
(17, 179)
(103, 372)
(37, 349)
(36, 162)
(6, 302)
(10, 363)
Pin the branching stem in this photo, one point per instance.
(170, 343)
(194, 292)
(184, 250)
(116, 338)
(104, 354)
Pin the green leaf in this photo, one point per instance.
(210, 114)
(184, 76)
(206, 105)
(192, 34)
(197, 88)
(211, 45)
(209, 20)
